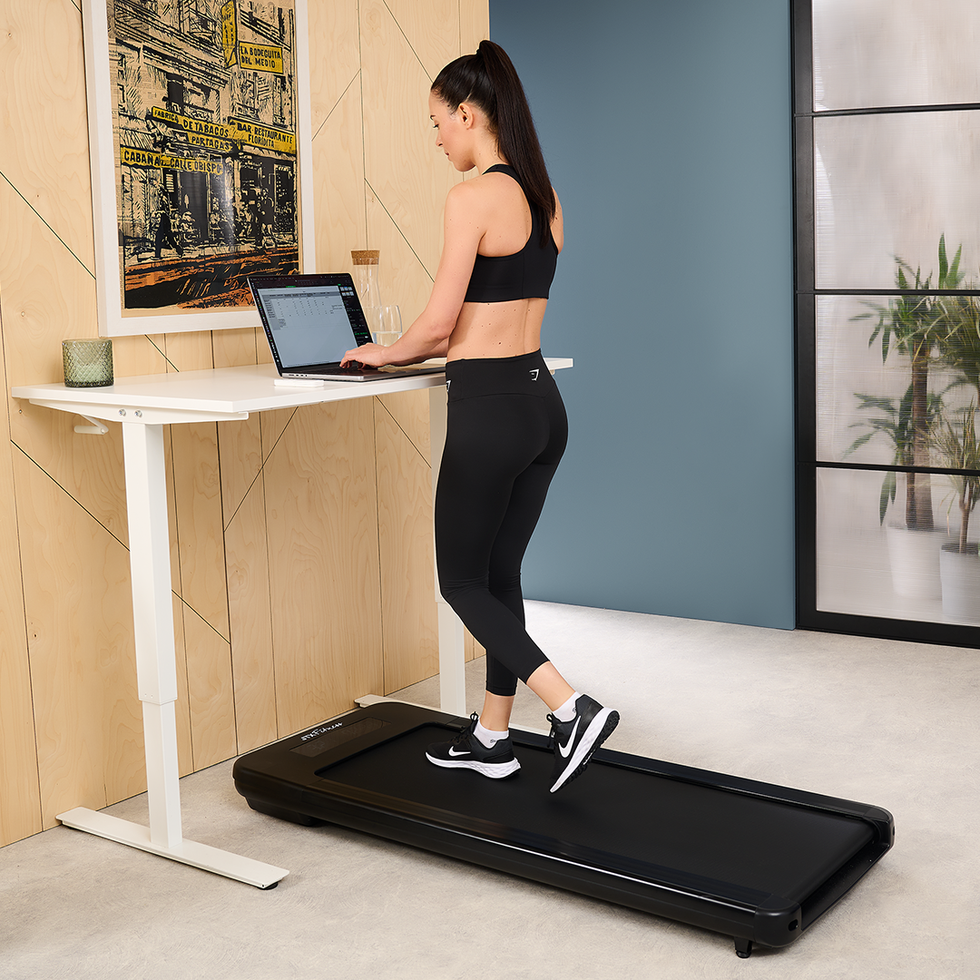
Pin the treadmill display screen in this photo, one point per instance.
(333, 737)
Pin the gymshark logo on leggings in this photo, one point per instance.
(448, 383)
(534, 374)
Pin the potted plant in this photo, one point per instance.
(913, 551)
(915, 326)
(957, 448)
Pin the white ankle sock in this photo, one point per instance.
(487, 737)
(566, 711)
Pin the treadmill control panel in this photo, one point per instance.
(319, 740)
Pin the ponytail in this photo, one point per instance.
(489, 80)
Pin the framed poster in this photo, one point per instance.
(199, 135)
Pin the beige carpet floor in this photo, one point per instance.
(892, 724)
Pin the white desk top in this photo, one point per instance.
(212, 395)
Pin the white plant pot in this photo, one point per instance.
(914, 560)
(961, 584)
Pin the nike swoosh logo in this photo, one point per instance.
(453, 752)
(567, 747)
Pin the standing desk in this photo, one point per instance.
(144, 405)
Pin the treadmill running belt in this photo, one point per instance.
(654, 821)
(758, 862)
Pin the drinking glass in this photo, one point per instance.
(389, 325)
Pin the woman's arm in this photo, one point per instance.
(464, 224)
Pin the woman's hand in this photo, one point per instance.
(370, 355)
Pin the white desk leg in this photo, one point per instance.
(156, 675)
(452, 656)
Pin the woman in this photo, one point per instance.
(506, 429)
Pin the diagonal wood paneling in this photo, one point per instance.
(321, 501)
(240, 455)
(209, 691)
(250, 611)
(338, 175)
(335, 58)
(20, 792)
(267, 640)
(403, 278)
(402, 166)
(408, 609)
(430, 29)
(83, 670)
(44, 90)
(197, 495)
(410, 412)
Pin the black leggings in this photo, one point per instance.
(505, 436)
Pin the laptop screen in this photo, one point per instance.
(310, 320)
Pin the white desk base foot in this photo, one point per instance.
(366, 700)
(186, 852)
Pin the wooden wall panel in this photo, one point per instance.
(44, 289)
(240, 456)
(83, 670)
(197, 498)
(44, 91)
(403, 168)
(48, 295)
(20, 792)
(232, 348)
(209, 691)
(431, 30)
(474, 24)
(335, 56)
(272, 425)
(338, 136)
(408, 609)
(404, 280)
(137, 356)
(322, 509)
(182, 710)
(338, 176)
(266, 642)
(410, 411)
(250, 610)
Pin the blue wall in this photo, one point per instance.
(667, 130)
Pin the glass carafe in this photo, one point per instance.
(366, 283)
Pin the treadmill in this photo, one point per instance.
(756, 862)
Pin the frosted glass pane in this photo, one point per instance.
(863, 402)
(895, 52)
(891, 185)
(866, 568)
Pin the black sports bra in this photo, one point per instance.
(526, 274)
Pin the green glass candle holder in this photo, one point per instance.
(88, 363)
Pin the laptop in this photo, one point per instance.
(311, 321)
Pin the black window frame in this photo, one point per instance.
(805, 304)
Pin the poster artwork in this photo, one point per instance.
(204, 124)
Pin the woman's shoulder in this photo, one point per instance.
(484, 192)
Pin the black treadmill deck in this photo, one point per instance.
(757, 862)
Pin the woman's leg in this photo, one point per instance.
(496, 712)
(550, 686)
(483, 523)
(502, 450)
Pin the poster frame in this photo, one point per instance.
(113, 319)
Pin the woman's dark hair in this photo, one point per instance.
(489, 80)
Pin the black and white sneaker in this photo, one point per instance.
(576, 740)
(466, 751)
